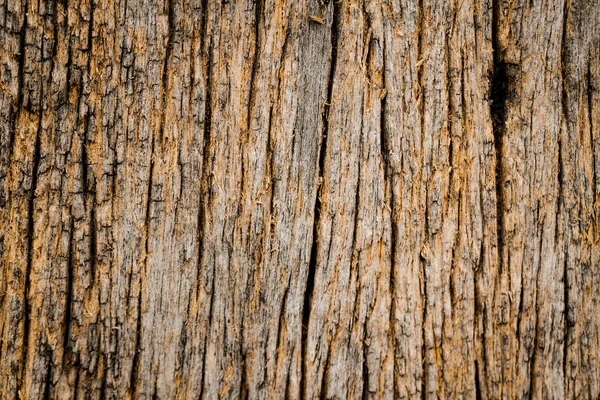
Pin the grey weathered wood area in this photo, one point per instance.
(273, 199)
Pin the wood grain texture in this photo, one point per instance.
(299, 199)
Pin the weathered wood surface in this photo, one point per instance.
(299, 199)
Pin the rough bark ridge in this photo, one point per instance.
(299, 199)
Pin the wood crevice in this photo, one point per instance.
(498, 103)
(30, 241)
(561, 187)
(70, 290)
(206, 179)
(420, 65)
(313, 261)
(171, 28)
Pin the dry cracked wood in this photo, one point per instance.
(299, 199)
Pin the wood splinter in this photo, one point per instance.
(316, 19)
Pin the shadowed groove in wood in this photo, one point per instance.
(420, 100)
(565, 115)
(69, 298)
(30, 237)
(206, 48)
(498, 96)
(385, 155)
(312, 266)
